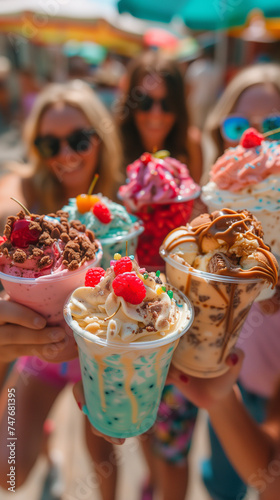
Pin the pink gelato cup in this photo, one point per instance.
(47, 294)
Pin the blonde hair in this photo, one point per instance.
(257, 74)
(48, 189)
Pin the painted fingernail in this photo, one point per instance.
(57, 335)
(79, 405)
(234, 358)
(117, 440)
(39, 322)
(184, 378)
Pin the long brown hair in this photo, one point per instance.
(152, 65)
(47, 188)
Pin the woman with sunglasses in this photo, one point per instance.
(70, 136)
(252, 99)
(152, 112)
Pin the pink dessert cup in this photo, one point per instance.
(47, 294)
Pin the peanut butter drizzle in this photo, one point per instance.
(219, 228)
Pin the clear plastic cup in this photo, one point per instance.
(47, 294)
(123, 382)
(117, 244)
(221, 305)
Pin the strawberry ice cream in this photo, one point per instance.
(160, 191)
(248, 176)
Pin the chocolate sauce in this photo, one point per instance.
(226, 225)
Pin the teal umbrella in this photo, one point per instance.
(152, 10)
(224, 14)
(200, 14)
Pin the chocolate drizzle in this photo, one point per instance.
(226, 226)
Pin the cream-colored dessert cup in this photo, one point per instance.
(123, 382)
(221, 305)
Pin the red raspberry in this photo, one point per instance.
(251, 138)
(145, 158)
(124, 265)
(93, 276)
(102, 212)
(129, 287)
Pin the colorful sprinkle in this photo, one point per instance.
(145, 276)
(158, 274)
(163, 288)
(170, 294)
(159, 291)
(131, 257)
(117, 256)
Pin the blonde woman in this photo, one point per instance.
(252, 98)
(69, 136)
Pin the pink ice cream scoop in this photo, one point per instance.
(244, 166)
(157, 179)
(248, 176)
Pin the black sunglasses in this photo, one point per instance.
(79, 141)
(146, 103)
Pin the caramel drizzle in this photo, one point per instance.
(228, 322)
(195, 234)
(234, 327)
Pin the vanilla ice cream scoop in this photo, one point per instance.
(107, 311)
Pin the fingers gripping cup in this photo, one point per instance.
(125, 348)
(220, 262)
